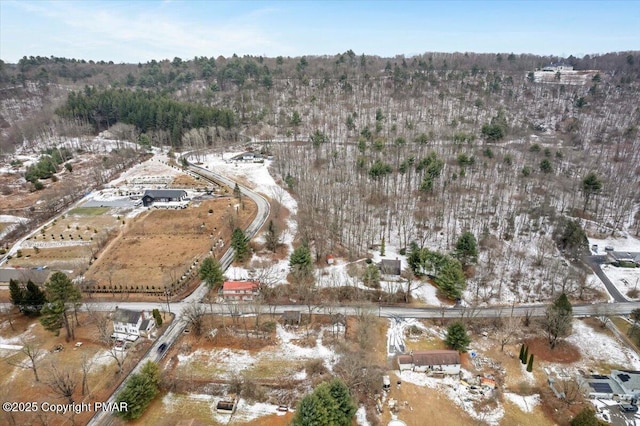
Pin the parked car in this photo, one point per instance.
(629, 408)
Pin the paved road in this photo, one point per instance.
(177, 327)
(594, 262)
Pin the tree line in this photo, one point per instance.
(147, 111)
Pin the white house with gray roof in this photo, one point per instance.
(130, 325)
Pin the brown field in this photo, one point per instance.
(564, 352)
(188, 181)
(18, 384)
(158, 247)
(86, 226)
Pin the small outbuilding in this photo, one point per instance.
(390, 266)
(291, 317)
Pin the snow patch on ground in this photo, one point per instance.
(246, 412)
(395, 333)
(596, 347)
(102, 358)
(625, 279)
(361, 416)
(525, 403)
(626, 243)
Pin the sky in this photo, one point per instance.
(138, 31)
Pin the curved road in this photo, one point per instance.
(594, 263)
(178, 325)
(621, 307)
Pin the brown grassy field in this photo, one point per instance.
(86, 227)
(158, 247)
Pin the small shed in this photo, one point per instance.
(390, 266)
(291, 317)
(226, 406)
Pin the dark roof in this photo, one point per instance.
(38, 276)
(144, 324)
(165, 193)
(436, 357)
(625, 255)
(126, 316)
(390, 266)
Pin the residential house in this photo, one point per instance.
(130, 325)
(558, 66)
(239, 291)
(431, 362)
(249, 157)
(623, 384)
(151, 196)
(623, 257)
(390, 266)
(37, 276)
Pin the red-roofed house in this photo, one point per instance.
(239, 290)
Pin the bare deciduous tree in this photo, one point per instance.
(194, 316)
(507, 330)
(32, 352)
(62, 382)
(86, 367)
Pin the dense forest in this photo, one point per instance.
(404, 150)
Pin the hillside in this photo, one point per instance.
(401, 150)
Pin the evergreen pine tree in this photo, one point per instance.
(382, 247)
(239, 244)
(301, 263)
(521, 357)
(457, 337)
(140, 390)
(211, 273)
(525, 356)
(530, 364)
(272, 237)
(340, 393)
(16, 293)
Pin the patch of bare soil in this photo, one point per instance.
(564, 352)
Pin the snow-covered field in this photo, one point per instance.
(598, 347)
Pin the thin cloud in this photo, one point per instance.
(154, 33)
